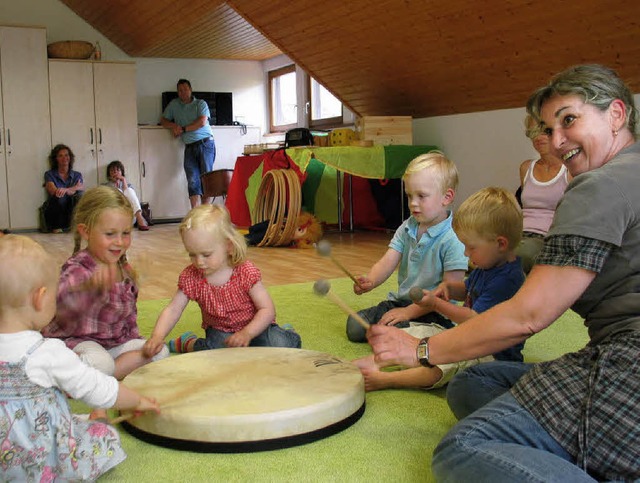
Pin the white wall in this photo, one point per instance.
(487, 147)
(243, 78)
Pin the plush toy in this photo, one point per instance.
(309, 231)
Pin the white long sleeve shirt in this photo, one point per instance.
(55, 365)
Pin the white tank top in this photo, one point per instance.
(539, 199)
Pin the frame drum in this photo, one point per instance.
(246, 399)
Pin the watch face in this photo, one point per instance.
(422, 350)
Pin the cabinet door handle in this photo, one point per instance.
(100, 135)
(8, 137)
(91, 136)
(144, 170)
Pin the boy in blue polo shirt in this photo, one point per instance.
(425, 248)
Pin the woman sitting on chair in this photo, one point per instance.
(115, 175)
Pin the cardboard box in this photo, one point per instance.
(385, 130)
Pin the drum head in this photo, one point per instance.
(246, 399)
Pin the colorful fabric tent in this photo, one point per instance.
(321, 167)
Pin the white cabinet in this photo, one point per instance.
(163, 182)
(25, 139)
(230, 142)
(93, 111)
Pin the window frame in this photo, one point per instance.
(326, 122)
(271, 76)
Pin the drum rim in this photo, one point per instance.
(246, 446)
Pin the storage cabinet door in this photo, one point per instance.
(4, 195)
(73, 119)
(116, 118)
(230, 142)
(27, 134)
(164, 184)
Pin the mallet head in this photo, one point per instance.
(416, 294)
(323, 248)
(322, 287)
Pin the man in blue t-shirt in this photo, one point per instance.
(188, 118)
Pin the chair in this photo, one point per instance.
(216, 183)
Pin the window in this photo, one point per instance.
(325, 109)
(322, 109)
(283, 101)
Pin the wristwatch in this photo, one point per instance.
(422, 352)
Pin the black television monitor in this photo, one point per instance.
(220, 105)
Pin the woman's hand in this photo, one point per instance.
(392, 346)
(60, 192)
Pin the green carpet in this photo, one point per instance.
(393, 441)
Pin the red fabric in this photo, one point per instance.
(278, 159)
(236, 201)
(365, 210)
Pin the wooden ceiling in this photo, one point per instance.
(390, 57)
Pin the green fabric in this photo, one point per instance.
(364, 162)
(378, 162)
(314, 173)
(398, 157)
(393, 441)
(253, 186)
(326, 205)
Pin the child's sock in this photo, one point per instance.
(183, 344)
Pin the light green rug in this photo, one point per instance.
(393, 441)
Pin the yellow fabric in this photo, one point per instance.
(359, 161)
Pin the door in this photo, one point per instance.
(27, 128)
(73, 114)
(116, 118)
(164, 184)
(4, 195)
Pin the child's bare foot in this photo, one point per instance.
(374, 378)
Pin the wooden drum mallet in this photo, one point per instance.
(323, 248)
(323, 288)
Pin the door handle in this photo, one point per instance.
(91, 136)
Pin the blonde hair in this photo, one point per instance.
(532, 128)
(215, 219)
(490, 213)
(25, 266)
(92, 204)
(443, 169)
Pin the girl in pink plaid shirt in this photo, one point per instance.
(97, 294)
(237, 310)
